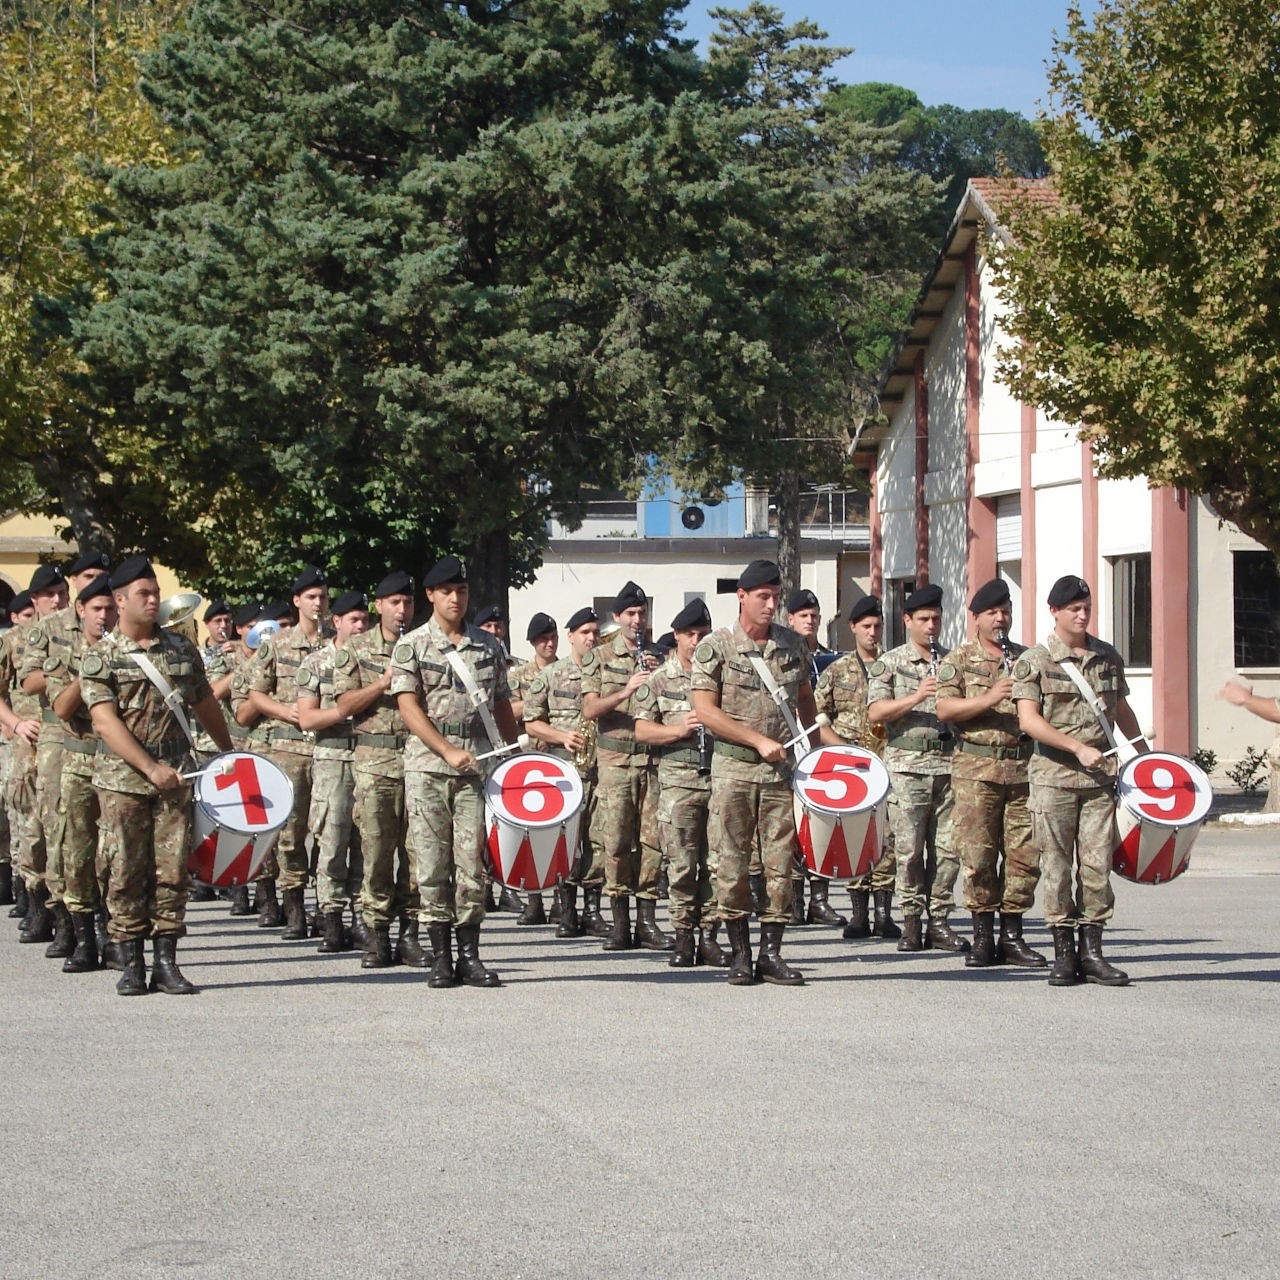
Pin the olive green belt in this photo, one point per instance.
(49, 717)
(681, 755)
(454, 730)
(394, 741)
(934, 746)
(1021, 752)
(79, 746)
(287, 732)
(1058, 757)
(338, 741)
(732, 751)
(624, 746)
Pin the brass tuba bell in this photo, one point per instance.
(178, 613)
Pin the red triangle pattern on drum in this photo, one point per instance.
(804, 837)
(559, 868)
(870, 848)
(523, 873)
(835, 860)
(203, 858)
(237, 871)
(1125, 861)
(1161, 867)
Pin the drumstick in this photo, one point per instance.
(226, 766)
(1128, 742)
(820, 721)
(518, 745)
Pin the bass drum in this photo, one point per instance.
(1161, 803)
(533, 808)
(841, 811)
(241, 802)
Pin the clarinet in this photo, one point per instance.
(935, 657)
(1002, 639)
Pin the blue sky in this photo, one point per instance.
(989, 55)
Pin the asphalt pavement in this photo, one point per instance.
(604, 1115)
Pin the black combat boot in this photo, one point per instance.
(759, 895)
(648, 935)
(663, 888)
(912, 939)
(769, 963)
(198, 891)
(268, 906)
(593, 921)
(240, 901)
(21, 899)
(1094, 966)
(333, 936)
(469, 970)
(820, 909)
(620, 938)
(1065, 970)
(859, 925)
(442, 974)
(797, 903)
(557, 905)
(570, 926)
(295, 915)
(1012, 948)
(38, 926)
(509, 900)
(408, 949)
(133, 977)
(741, 972)
(944, 937)
(165, 974)
(709, 949)
(359, 930)
(6, 884)
(534, 912)
(984, 954)
(377, 951)
(683, 956)
(882, 926)
(110, 960)
(64, 935)
(84, 959)
(490, 902)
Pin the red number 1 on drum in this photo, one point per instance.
(244, 777)
(840, 782)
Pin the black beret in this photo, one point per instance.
(450, 569)
(311, 576)
(666, 641)
(349, 602)
(247, 614)
(927, 597)
(802, 599)
(867, 607)
(99, 586)
(276, 611)
(89, 560)
(989, 595)
(131, 570)
(694, 614)
(216, 608)
(539, 625)
(45, 577)
(630, 597)
(396, 583)
(21, 603)
(1067, 591)
(759, 573)
(581, 618)
(490, 613)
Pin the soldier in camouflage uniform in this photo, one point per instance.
(552, 714)
(901, 689)
(667, 723)
(21, 733)
(624, 828)
(751, 797)
(841, 696)
(86, 876)
(991, 823)
(339, 868)
(272, 677)
(1073, 807)
(362, 687)
(435, 670)
(145, 801)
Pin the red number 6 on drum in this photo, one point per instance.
(532, 793)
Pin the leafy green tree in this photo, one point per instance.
(1145, 303)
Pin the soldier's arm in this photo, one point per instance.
(503, 713)
(68, 702)
(34, 683)
(1034, 725)
(887, 710)
(209, 713)
(221, 688)
(265, 705)
(1240, 694)
(706, 703)
(115, 734)
(311, 716)
(595, 705)
(544, 731)
(419, 724)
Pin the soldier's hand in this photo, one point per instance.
(636, 681)
(29, 731)
(691, 723)
(926, 689)
(1236, 692)
(385, 681)
(461, 759)
(1002, 689)
(575, 741)
(771, 752)
(291, 716)
(1089, 757)
(227, 648)
(163, 778)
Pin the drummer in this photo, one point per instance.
(144, 799)
(1072, 775)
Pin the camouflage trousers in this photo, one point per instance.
(741, 816)
(1075, 830)
(624, 830)
(339, 866)
(882, 876)
(32, 853)
(49, 802)
(78, 839)
(291, 849)
(588, 870)
(682, 828)
(920, 818)
(389, 888)
(6, 849)
(446, 833)
(148, 842)
(991, 831)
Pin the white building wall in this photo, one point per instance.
(1059, 538)
(896, 490)
(1000, 414)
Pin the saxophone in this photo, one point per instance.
(584, 759)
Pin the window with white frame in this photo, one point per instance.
(1256, 590)
(1131, 607)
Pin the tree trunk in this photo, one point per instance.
(787, 499)
(488, 571)
(1272, 804)
(78, 505)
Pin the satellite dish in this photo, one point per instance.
(692, 518)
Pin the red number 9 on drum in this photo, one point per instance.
(1163, 788)
(837, 781)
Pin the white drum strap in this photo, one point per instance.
(172, 698)
(479, 700)
(775, 692)
(1087, 693)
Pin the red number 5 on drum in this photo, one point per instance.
(836, 780)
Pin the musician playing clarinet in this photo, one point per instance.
(900, 694)
(991, 822)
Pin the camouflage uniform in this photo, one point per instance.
(147, 832)
(339, 868)
(991, 820)
(841, 695)
(273, 670)
(257, 738)
(23, 762)
(683, 797)
(624, 827)
(217, 666)
(751, 801)
(1073, 809)
(446, 808)
(519, 679)
(555, 696)
(389, 887)
(918, 756)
